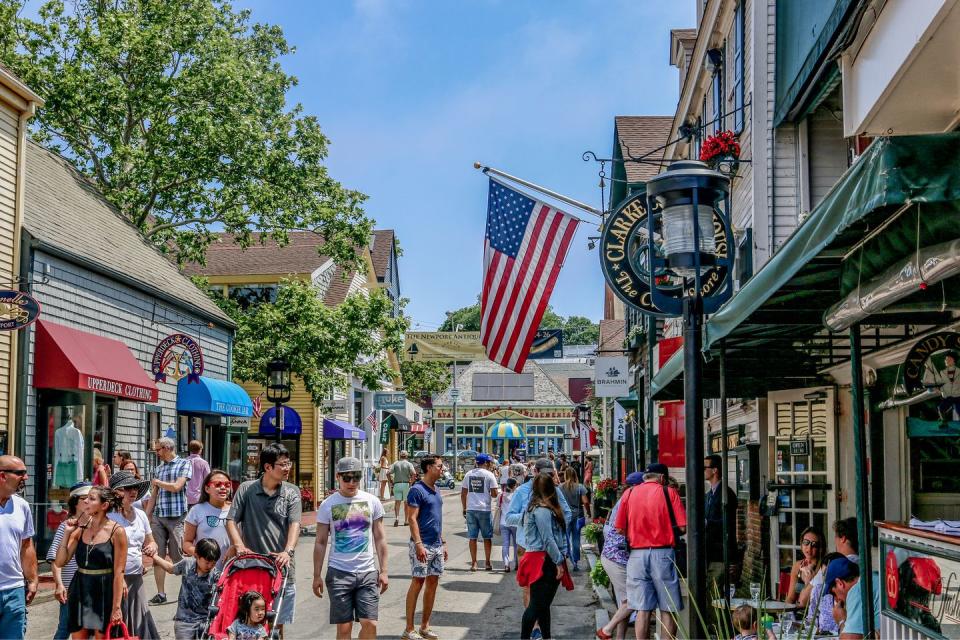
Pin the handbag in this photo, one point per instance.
(122, 627)
(679, 544)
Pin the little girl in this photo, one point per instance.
(250, 616)
(509, 534)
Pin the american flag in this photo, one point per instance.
(258, 406)
(372, 419)
(526, 243)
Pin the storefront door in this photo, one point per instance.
(802, 447)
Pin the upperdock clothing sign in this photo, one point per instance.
(611, 377)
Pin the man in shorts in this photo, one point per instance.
(428, 549)
(265, 518)
(652, 579)
(479, 487)
(401, 474)
(354, 520)
(168, 508)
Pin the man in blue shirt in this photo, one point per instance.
(843, 582)
(427, 549)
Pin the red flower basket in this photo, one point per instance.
(720, 145)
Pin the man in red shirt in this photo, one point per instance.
(652, 579)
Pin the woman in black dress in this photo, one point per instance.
(100, 546)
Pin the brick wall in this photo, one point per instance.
(757, 538)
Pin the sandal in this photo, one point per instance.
(603, 635)
(489, 567)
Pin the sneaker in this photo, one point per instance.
(396, 523)
(536, 634)
(160, 598)
(411, 635)
(576, 567)
(428, 634)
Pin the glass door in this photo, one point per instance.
(803, 454)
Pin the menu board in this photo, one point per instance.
(921, 587)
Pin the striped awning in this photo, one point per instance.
(505, 430)
(418, 427)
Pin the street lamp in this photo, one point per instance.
(583, 418)
(278, 389)
(693, 203)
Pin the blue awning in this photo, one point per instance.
(292, 423)
(337, 430)
(216, 397)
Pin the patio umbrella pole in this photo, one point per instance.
(723, 469)
(860, 471)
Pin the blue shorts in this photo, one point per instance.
(652, 581)
(479, 524)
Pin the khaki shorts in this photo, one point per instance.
(168, 534)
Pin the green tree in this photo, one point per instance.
(580, 330)
(323, 344)
(467, 318)
(422, 380)
(177, 110)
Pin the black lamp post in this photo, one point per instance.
(278, 389)
(692, 204)
(583, 418)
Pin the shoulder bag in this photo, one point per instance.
(679, 544)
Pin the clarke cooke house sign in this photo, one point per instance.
(624, 261)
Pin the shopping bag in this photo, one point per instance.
(122, 628)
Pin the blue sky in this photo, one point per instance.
(411, 93)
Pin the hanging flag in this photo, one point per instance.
(258, 406)
(372, 419)
(525, 245)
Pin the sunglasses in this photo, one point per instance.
(219, 485)
(17, 472)
(215, 521)
(809, 543)
(351, 477)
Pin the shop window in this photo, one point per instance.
(253, 294)
(717, 99)
(153, 429)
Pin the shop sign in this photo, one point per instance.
(444, 346)
(624, 261)
(611, 377)
(384, 434)
(119, 389)
(17, 310)
(231, 408)
(547, 344)
(920, 587)
(920, 370)
(390, 401)
(486, 412)
(178, 355)
(619, 423)
(800, 447)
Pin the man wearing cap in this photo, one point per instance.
(843, 583)
(353, 519)
(18, 555)
(401, 473)
(652, 579)
(478, 487)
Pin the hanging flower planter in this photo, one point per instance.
(722, 152)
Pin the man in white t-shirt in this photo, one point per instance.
(354, 520)
(18, 555)
(478, 489)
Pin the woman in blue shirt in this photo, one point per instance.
(542, 566)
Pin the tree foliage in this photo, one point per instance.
(576, 329)
(422, 380)
(323, 344)
(177, 110)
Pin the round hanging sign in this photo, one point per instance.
(180, 355)
(623, 257)
(918, 370)
(17, 310)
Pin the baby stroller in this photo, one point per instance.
(249, 572)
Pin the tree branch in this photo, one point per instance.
(173, 225)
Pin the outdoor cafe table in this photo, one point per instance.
(773, 606)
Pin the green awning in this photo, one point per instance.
(771, 324)
(629, 401)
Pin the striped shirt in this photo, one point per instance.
(69, 569)
(170, 504)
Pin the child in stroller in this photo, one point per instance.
(243, 574)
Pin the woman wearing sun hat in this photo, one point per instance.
(139, 538)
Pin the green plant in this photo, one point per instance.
(591, 532)
(598, 575)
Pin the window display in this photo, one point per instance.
(68, 452)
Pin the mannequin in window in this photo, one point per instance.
(68, 453)
(948, 381)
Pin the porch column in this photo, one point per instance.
(723, 470)
(864, 525)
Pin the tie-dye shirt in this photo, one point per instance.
(614, 544)
(351, 530)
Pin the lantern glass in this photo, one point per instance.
(678, 222)
(278, 389)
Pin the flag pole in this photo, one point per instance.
(553, 194)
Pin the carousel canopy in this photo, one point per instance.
(505, 430)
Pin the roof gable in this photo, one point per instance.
(637, 136)
(66, 213)
(381, 252)
(263, 257)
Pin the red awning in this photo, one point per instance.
(68, 358)
(416, 427)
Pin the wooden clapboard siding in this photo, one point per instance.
(10, 142)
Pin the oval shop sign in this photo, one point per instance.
(17, 310)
